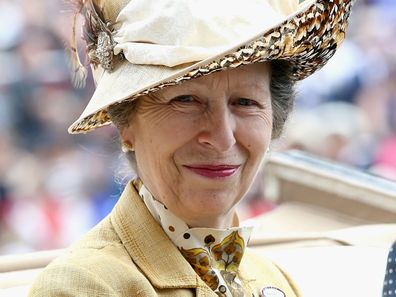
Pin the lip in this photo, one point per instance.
(213, 171)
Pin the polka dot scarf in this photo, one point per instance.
(214, 254)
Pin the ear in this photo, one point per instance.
(127, 135)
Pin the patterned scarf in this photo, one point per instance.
(214, 254)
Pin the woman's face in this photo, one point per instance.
(199, 145)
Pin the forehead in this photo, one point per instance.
(256, 76)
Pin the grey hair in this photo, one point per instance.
(120, 115)
(282, 95)
(282, 99)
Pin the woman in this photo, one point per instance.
(197, 90)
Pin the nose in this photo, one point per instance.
(218, 129)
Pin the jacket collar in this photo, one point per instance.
(150, 248)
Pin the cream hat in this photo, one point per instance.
(141, 46)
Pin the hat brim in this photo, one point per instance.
(307, 39)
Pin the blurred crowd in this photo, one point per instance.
(347, 110)
(54, 187)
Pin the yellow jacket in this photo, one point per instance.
(128, 254)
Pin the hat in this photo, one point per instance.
(141, 46)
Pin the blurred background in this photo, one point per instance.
(54, 186)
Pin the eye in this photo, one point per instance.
(187, 104)
(184, 99)
(245, 102)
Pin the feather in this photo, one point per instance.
(97, 33)
(79, 72)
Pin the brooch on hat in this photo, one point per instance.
(272, 292)
(98, 35)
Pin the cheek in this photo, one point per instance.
(257, 148)
(158, 143)
(154, 156)
(256, 135)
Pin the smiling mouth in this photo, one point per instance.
(214, 171)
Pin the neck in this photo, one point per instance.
(227, 221)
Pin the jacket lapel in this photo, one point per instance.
(149, 247)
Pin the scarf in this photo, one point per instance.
(214, 254)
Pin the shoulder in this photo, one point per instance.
(90, 273)
(266, 273)
(69, 279)
(97, 265)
